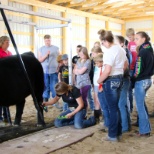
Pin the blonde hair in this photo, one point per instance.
(62, 88)
(96, 50)
(99, 58)
(3, 39)
(97, 42)
(47, 36)
(59, 58)
(130, 31)
(85, 52)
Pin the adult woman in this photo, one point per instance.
(82, 70)
(72, 96)
(143, 72)
(4, 45)
(113, 61)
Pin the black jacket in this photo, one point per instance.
(144, 66)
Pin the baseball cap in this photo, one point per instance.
(64, 57)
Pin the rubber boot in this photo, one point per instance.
(137, 122)
(97, 115)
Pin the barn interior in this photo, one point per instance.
(73, 22)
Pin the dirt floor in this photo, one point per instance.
(130, 144)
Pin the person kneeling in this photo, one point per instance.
(76, 117)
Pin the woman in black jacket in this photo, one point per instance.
(143, 72)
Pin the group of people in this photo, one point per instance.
(111, 73)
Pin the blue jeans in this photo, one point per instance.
(50, 80)
(78, 120)
(104, 108)
(65, 106)
(141, 88)
(125, 116)
(111, 89)
(131, 92)
(2, 108)
(90, 99)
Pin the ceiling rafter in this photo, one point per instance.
(112, 8)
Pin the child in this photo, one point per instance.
(63, 75)
(98, 59)
(81, 70)
(130, 33)
(95, 51)
(60, 62)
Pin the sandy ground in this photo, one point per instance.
(129, 144)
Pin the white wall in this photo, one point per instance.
(95, 26)
(22, 33)
(2, 27)
(115, 28)
(55, 33)
(78, 31)
(144, 25)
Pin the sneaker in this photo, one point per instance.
(2, 123)
(143, 135)
(110, 139)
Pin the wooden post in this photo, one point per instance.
(64, 35)
(107, 25)
(34, 19)
(123, 30)
(88, 33)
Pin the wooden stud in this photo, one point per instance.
(123, 30)
(4, 2)
(35, 20)
(88, 33)
(64, 35)
(107, 25)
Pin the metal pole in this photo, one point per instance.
(52, 27)
(33, 13)
(22, 65)
(20, 22)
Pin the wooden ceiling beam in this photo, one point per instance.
(60, 1)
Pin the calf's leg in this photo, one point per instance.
(19, 112)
